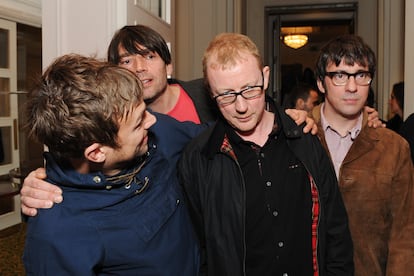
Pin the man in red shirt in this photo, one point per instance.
(143, 51)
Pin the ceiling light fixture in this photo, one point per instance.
(295, 41)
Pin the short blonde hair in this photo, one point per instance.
(224, 52)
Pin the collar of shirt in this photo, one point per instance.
(352, 132)
(234, 137)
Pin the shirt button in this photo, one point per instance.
(108, 187)
(262, 155)
(275, 213)
(96, 179)
(268, 183)
(280, 244)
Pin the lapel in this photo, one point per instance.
(364, 142)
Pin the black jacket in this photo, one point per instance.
(206, 108)
(407, 131)
(214, 186)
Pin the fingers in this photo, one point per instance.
(300, 116)
(35, 186)
(310, 126)
(31, 212)
(292, 114)
(37, 193)
(373, 118)
(370, 109)
(376, 123)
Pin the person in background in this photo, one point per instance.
(119, 212)
(396, 107)
(144, 52)
(373, 166)
(263, 196)
(302, 96)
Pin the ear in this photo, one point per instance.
(169, 69)
(266, 73)
(95, 153)
(320, 86)
(300, 104)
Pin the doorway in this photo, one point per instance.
(20, 64)
(319, 24)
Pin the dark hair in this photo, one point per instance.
(350, 48)
(398, 91)
(79, 101)
(134, 37)
(301, 90)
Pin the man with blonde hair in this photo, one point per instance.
(262, 195)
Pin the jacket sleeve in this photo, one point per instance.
(401, 242)
(339, 247)
(178, 134)
(188, 180)
(335, 247)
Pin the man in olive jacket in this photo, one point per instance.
(373, 166)
(263, 196)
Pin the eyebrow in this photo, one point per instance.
(125, 55)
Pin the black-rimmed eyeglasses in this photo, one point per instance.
(341, 78)
(250, 92)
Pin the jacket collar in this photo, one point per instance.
(218, 136)
(363, 143)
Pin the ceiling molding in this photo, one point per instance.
(23, 11)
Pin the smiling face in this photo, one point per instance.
(345, 101)
(244, 115)
(150, 68)
(132, 139)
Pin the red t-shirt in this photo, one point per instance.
(184, 110)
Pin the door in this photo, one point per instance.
(319, 23)
(9, 140)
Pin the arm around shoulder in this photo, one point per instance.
(37, 193)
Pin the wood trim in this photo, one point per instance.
(28, 12)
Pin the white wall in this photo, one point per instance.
(409, 59)
(87, 27)
(197, 22)
(78, 26)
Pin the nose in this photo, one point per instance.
(351, 84)
(139, 64)
(240, 104)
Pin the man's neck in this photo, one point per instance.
(166, 101)
(340, 123)
(261, 133)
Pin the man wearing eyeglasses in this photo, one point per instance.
(263, 196)
(373, 166)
